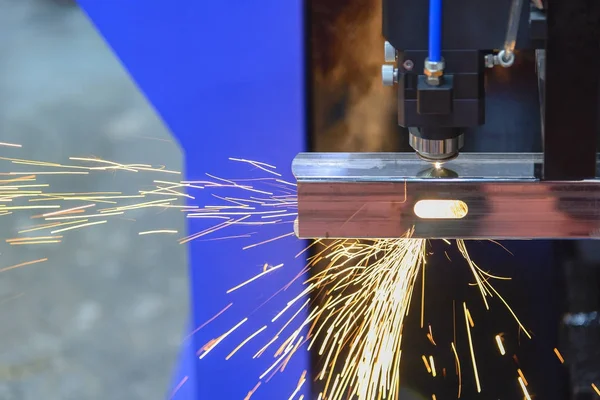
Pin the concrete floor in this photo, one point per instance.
(104, 317)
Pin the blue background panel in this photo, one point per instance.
(227, 78)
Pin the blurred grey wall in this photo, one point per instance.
(104, 317)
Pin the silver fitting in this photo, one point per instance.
(502, 58)
(389, 75)
(506, 59)
(389, 52)
(434, 70)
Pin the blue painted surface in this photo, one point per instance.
(435, 30)
(227, 79)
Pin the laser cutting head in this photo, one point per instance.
(442, 90)
(436, 146)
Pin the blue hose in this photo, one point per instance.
(435, 30)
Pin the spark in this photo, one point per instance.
(423, 298)
(457, 369)
(9, 144)
(214, 343)
(560, 357)
(258, 165)
(178, 387)
(596, 389)
(16, 296)
(251, 392)
(68, 210)
(48, 173)
(23, 243)
(500, 345)
(475, 372)
(524, 389)
(86, 216)
(522, 376)
(208, 321)
(432, 363)
(111, 165)
(249, 338)
(23, 264)
(267, 271)
(299, 386)
(3, 208)
(470, 319)
(269, 240)
(34, 238)
(265, 347)
(426, 363)
(79, 226)
(157, 231)
(430, 336)
(50, 225)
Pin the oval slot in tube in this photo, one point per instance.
(441, 209)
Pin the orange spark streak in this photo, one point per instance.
(215, 342)
(476, 373)
(560, 357)
(23, 264)
(207, 322)
(426, 363)
(179, 385)
(251, 392)
(457, 369)
(522, 377)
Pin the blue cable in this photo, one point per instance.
(435, 30)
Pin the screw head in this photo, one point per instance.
(408, 65)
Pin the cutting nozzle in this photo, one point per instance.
(436, 150)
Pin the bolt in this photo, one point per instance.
(389, 75)
(408, 65)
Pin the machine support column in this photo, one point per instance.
(571, 89)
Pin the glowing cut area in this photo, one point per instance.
(441, 209)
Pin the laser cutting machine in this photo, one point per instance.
(519, 107)
(500, 102)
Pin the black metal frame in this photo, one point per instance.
(572, 83)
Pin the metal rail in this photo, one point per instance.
(373, 195)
